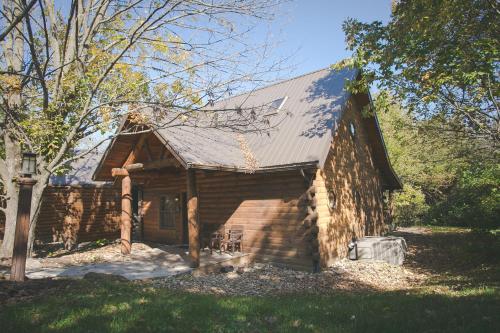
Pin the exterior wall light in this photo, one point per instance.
(28, 167)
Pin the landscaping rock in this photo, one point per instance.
(226, 269)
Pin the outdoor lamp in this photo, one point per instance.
(28, 167)
(26, 183)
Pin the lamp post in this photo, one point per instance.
(26, 183)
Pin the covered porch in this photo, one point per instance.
(165, 199)
(159, 195)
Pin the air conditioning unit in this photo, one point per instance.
(389, 249)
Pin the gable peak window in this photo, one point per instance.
(352, 129)
(332, 199)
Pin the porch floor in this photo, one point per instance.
(146, 261)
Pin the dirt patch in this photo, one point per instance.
(15, 292)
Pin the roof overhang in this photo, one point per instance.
(391, 180)
(98, 176)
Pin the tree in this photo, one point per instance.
(447, 180)
(70, 73)
(440, 58)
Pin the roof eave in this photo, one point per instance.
(267, 169)
(398, 183)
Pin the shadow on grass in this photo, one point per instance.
(126, 307)
(456, 257)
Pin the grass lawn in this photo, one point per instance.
(462, 297)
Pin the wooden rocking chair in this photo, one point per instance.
(233, 241)
(216, 239)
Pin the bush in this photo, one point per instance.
(473, 202)
(410, 207)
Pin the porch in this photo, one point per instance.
(146, 261)
(165, 200)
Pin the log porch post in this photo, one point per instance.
(126, 216)
(22, 228)
(193, 222)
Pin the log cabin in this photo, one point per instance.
(77, 209)
(300, 192)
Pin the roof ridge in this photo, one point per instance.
(273, 84)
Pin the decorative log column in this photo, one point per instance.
(193, 222)
(18, 267)
(310, 222)
(126, 217)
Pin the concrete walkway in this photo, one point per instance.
(144, 263)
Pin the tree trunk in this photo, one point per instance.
(11, 191)
(14, 52)
(36, 204)
(12, 167)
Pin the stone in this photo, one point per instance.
(226, 269)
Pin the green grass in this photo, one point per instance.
(462, 296)
(122, 307)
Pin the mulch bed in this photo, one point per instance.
(258, 280)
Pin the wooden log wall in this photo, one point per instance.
(269, 208)
(78, 214)
(349, 168)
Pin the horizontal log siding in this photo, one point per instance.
(349, 166)
(268, 207)
(78, 214)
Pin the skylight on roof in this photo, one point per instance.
(275, 106)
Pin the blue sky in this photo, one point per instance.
(312, 30)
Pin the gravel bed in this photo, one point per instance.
(267, 279)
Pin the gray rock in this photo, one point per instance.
(226, 269)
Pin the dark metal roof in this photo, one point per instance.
(80, 173)
(301, 137)
(312, 108)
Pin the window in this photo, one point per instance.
(275, 106)
(169, 207)
(332, 199)
(352, 129)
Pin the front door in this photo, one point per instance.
(185, 228)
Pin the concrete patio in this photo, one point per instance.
(145, 262)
